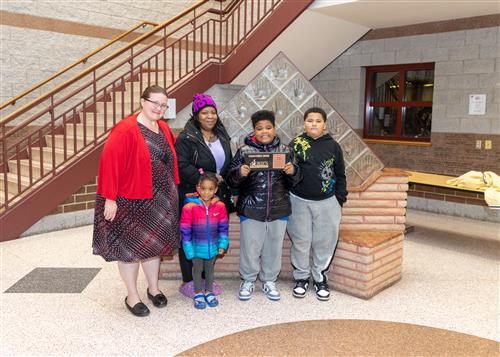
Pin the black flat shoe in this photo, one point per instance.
(139, 309)
(159, 300)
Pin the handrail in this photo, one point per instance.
(40, 99)
(81, 60)
(224, 11)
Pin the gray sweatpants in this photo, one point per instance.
(313, 227)
(261, 245)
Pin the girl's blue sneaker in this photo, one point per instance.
(199, 301)
(211, 300)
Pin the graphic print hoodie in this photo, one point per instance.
(323, 169)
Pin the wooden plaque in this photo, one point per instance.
(266, 160)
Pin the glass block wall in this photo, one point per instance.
(280, 87)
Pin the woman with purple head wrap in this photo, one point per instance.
(203, 146)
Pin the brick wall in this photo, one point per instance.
(366, 263)
(446, 194)
(451, 154)
(81, 200)
(379, 207)
(466, 62)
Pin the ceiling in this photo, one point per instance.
(390, 13)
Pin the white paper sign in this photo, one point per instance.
(171, 111)
(477, 104)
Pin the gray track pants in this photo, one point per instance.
(261, 245)
(313, 226)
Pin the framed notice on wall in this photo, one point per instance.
(477, 104)
(171, 110)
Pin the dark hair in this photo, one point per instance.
(208, 176)
(315, 110)
(153, 89)
(262, 115)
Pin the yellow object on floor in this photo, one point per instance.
(472, 179)
(492, 179)
(487, 181)
(492, 197)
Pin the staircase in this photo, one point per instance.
(51, 146)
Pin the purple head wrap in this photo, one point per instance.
(201, 101)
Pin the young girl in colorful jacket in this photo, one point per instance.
(204, 231)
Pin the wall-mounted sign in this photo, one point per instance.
(477, 104)
(171, 111)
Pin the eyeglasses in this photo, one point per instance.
(157, 105)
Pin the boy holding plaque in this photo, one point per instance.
(316, 204)
(263, 171)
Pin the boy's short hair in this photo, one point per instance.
(262, 115)
(315, 110)
(208, 176)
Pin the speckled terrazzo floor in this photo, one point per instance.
(450, 281)
(346, 338)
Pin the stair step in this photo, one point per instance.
(78, 130)
(127, 107)
(117, 98)
(70, 141)
(12, 182)
(47, 155)
(137, 90)
(24, 168)
(137, 86)
(2, 195)
(99, 118)
(89, 117)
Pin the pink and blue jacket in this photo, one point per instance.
(203, 229)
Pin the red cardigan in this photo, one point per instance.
(125, 166)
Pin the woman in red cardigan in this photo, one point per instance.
(136, 215)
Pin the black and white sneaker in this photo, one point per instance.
(322, 291)
(300, 288)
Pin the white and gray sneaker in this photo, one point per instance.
(300, 288)
(322, 290)
(246, 290)
(269, 288)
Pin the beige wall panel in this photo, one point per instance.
(116, 14)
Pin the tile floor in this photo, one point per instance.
(450, 280)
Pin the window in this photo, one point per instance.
(398, 103)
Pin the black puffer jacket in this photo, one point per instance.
(263, 195)
(193, 154)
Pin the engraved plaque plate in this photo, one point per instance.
(266, 160)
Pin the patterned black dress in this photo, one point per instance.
(143, 228)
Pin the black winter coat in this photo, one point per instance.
(193, 154)
(263, 195)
